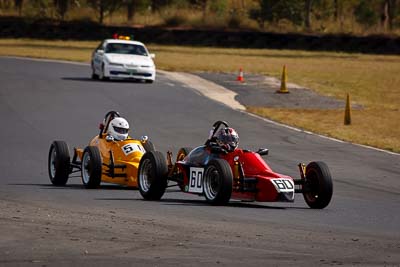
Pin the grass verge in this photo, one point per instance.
(372, 81)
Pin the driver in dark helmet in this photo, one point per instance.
(227, 138)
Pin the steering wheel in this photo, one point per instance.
(215, 128)
(112, 113)
(107, 118)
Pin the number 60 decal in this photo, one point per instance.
(196, 180)
(283, 184)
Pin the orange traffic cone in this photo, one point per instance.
(240, 77)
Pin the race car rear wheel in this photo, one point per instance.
(59, 163)
(318, 188)
(217, 182)
(152, 175)
(91, 167)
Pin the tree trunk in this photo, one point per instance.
(307, 22)
(61, 7)
(18, 5)
(385, 15)
(130, 10)
(336, 9)
(391, 12)
(204, 8)
(101, 12)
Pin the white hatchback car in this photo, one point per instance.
(123, 59)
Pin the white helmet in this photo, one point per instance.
(118, 129)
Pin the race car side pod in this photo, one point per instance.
(110, 172)
(300, 182)
(242, 183)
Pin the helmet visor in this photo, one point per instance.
(120, 130)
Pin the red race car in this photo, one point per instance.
(220, 171)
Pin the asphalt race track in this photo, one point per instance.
(43, 225)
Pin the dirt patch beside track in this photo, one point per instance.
(259, 90)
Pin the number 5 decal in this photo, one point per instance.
(129, 148)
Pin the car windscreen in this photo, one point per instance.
(127, 49)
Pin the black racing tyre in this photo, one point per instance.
(183, 152)
(148, 146)
(102, 76)
(59, 163)
(152, 174)
(217, 182)
(94, 75)
(91, 167)
(318, 188)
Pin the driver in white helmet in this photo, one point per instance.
(118, 129)
(227, 138)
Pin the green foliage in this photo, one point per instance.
(40, 8)
(174, 20)
(61, 7)
(234, 19)
(275, 10)
(218, 7)
(329, 15)
(104, 7)
(323, 9)
(365, 13)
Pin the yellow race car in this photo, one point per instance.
(111, 156)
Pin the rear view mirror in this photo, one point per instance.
(101, 52)
(152, 55)
(263, 151)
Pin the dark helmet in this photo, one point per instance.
(227, 138)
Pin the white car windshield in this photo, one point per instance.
(127, 49)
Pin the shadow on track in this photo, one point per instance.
(78, 186)
(88, 79)
(163, 201)
(201, 202)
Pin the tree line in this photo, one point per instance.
(382, 13)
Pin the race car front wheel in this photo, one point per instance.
(217, 182)
(59, 163)
(317, 188)
(91, 167)
(148, 146)
(152, 175)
